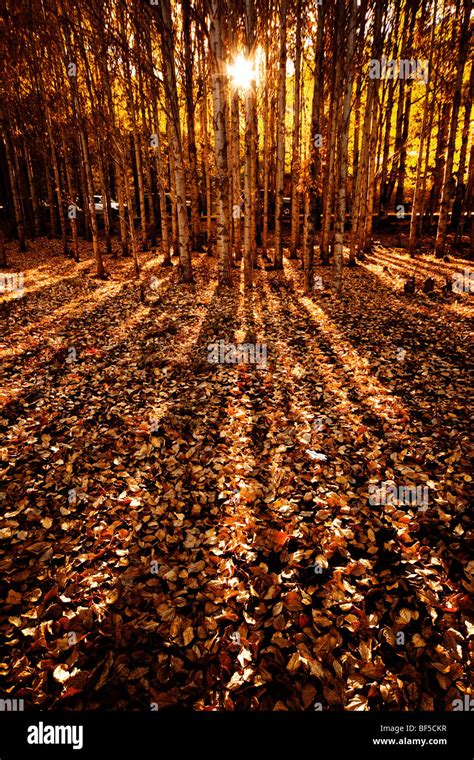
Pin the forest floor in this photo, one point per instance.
(178, 533)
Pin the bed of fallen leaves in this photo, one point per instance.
(163, 517)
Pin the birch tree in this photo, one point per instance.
(340, 216)
(280, 146)
(169, 76)
(295, 138)
(463, 49)
(312, 204)
(216, 42)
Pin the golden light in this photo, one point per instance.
(242, 72)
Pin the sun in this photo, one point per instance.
(241, 72)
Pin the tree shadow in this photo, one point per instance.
(184, 465)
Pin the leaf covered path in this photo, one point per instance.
(168, 539)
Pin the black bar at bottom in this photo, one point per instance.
(332, 734)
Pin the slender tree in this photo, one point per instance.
(340, 216)
(280, 147)
(169, 74)
(446, 193)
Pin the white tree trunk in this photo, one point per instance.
(280, 148)
(220, 133)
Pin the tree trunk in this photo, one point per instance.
(128, 199)
(448, 167)
(205, 153)
(357, 103)
(173, 197)
(3, 251)
(295, 141)
(359, 211)
(457, 216)
(34, 194)
(253, 167)
(88, 179)
(119, 178)
(344, 139)
(192, 152)
(169, 75)
(101, 271)
(386, 149)
(220, 131)
(72, 196)
(417, 194)
(328, 199)
(280, 147)
(312, 205)
(158, 152)
(441, 145)
(105, 203)
(236, 189)
(139, 165)
(400, 193)
(422, 221)
(248, 257)
(9, 148)
(470, 200)
(145, 131)
(57, 178)
(266, 145)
